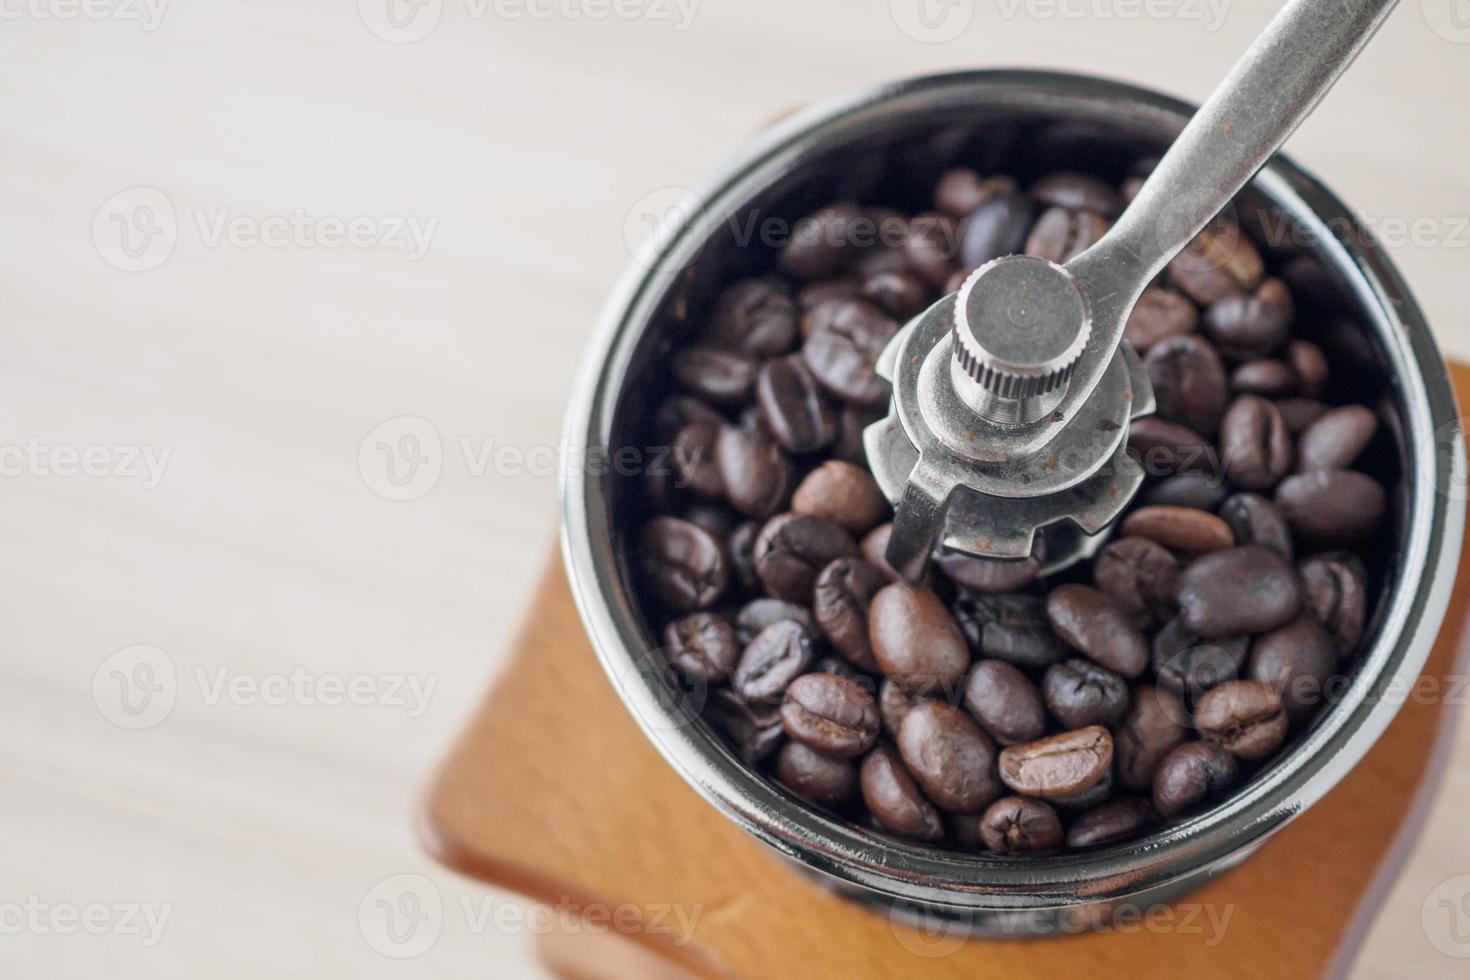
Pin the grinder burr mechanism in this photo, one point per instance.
(1007, 432)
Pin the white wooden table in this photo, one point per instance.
(180, 445)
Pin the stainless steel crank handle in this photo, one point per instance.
(1273, 87)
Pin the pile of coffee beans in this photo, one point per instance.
(987, 708)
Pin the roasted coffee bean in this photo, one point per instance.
(1087, 620)
(819, 779)
(1005, 703)
(1266, 377)
(840, 601)
(997, 226)
(1110, 822)
(822, 244)
(1310, 366)
(1079, 693)
(1337, 439)
(778, 655)
(1060, 235)
(677, 411)
(720, 377)
(1159, 315)
(894, 799)
(741, 548)
(830, 714)
(793, 407)
(902, 295)
(852, 420)
(757, 614)
(1156, 722)
(1020, 825)
(1254, 444)
(1250, 589)
(948, 755)
(1166, 448)
(1140, 576)
(1189, 382)
(1012, 628)
(990, 575)
(756, 475)
(893, 704)
(1329, 508)
(844, 494)
(683, 566)
(755, 729)
(755, 315)
(1334, 594)
(1218, 262)
(1255, 520)
(1298, 413)
(818, 293)
(1189, 665)
(694, 459)
(1077, 192)
(959, 192)
(1247, 718)
(843, 350)
(1060, 767)
(931, 247)
(916, 640)
(1180, 528)
(1187, 490)
(703, 646)
(1193, 774)
(875, 549)
(1299, 661)
(792, 550)
(1251, 325)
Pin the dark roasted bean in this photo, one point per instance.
(1156, 722)
(844, 494)
(1310, 366)
(793, 407)
(1255, 520)
(1060, 235)
(1077, 192)
(703, 646)
(755, 315)
(757, 614)
(1298, 413)
(893, 704)
(1005, 703)
(819, 779)
(840, 602)
(721, 377)
(1219, 261)
(1088, 620)
(1180, 528)
(875, 549)
(1020, 825)
(1266, 377)
(1330, 508)
(1299, 661)
(694, 459)
(683, 565)
(1111, 822)
(842, 352)
(1254, 444)
(852, 420)
(741, 548)
(1251, 325)
(677, 411)
(778, 655)
(1250, 589)
(818, 293)
(1079, 693)
(990, 575)
(931, 247)
(792, 550)
(916, 640)
(1140, 576)
(1189, 382)
(757, 476)
(1165, 448)
(997, 226)
(831, 714)
(948, 755)
(1159, 315)
(1012, 628)
(902, 294)
(1187, 490)
(1335, 595)
(894, 799)
(1247, 718)
(1337, 439)
(1192, 774)
(959, 192)
(1189, 665)
(754, 728)
(822, 244)
(1059, 767)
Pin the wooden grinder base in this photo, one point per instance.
(552, 791)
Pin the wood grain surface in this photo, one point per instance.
(533, 144)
